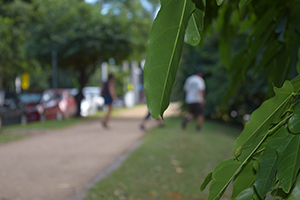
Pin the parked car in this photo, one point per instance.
(95, 93)
(12, 110)
(91, 102)
(42, 105)
(32, 99)
(66, 102)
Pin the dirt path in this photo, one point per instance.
(58, 165)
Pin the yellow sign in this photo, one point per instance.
(130, 86)
(25, 77)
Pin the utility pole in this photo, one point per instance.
(54, 69)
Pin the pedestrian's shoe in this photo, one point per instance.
(198, 128)
(184, 122)
(161, 126)
(142, 127)
(104, 125)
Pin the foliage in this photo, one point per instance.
(168, 163)
(207, 58)
(266, 154)
(272, 41)
(12, 52)
(81, 36)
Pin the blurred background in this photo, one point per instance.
(54, 56)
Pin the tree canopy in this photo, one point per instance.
(80, 35)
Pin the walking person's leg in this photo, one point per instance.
(200, 117)
(144, 121)
(188, 116)
(107, 116)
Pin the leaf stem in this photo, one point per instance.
(282, 122)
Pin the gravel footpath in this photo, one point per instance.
(61, 164)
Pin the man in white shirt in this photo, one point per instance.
(194, 87)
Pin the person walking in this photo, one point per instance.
(109, 95)
(194, 88)
(148, 115)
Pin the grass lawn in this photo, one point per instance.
(170, 164)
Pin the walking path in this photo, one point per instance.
(60, 164)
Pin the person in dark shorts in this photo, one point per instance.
(194, 87)
(147, 117)
(109, 95)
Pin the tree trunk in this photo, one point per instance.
(82, 79)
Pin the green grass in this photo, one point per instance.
(170, 164)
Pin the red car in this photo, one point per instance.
(66, 102)
(41, 105)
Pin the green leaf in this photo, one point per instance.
(163, 53)
(243, 179)
(246, 194)
(268, 162)
(297, 110)
(288, 161)
(266, 172)
(200, 4)
(256, 129)
(222, 176)
(206, 181)
(219, 2)
(243, 3)
(192, 35)
(295, 193)
(199, 17)
(298, 63)
(294, 124)
(296, 83)
(281, 28)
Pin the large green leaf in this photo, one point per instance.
(163, 52)
(244, 179)
(268, 162)
(222, 176)
(247, 194)
(256, 129)
(295, 193)
(288, 161)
